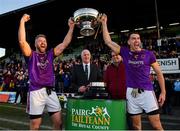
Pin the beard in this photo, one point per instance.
(41, 50)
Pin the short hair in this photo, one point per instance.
(132, 32)
(40, 35)
(85, 50)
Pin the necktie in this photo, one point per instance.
(86, 71)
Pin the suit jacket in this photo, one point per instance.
(79, 76)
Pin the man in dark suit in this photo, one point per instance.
(85, 73)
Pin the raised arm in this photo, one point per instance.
(25, 47)
(60, 47)
(107, 39)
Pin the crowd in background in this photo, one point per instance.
(14, 73)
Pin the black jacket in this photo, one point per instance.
(79, 76)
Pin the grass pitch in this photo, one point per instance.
(14, 117)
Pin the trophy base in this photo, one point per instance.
(87, 31)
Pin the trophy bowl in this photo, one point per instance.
(86, 19)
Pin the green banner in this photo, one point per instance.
(95, 114)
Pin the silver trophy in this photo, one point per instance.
(87, 20)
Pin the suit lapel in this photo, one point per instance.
(91, 70)
(82, 70)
